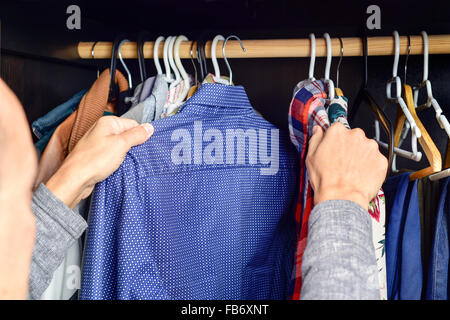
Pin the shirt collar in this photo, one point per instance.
(219, 95)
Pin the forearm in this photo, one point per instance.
(57, 228)
(339, 261)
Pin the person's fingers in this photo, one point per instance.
(137, 135)
(315, 139)
(127, 124)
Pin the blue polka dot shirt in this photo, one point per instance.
(202, 210)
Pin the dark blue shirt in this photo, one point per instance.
(202, 210)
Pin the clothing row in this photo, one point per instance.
(216, 204)
(417, 242)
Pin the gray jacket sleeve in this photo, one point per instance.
(57, 228)
(339, 261)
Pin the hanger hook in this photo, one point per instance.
(123, 63)
(172, 61)
(93, 57)
(169, 78)
(192, 61)
(396, 53)
(313, 56)
(425, 55)
(407, 56)
(155, 54)
(328, 62)
(213, 55)
(339, 63)
(225, 56)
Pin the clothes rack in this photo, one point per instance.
(279, 48)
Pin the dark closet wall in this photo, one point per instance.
(42, 78)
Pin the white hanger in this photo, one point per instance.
(327, 79)
(225, 57)
(123, 63)
(313, 57)
(169, 78)
(155, 54)
(216, 76)
(180, 67)
(414, 155)
(431, 101)
(172, 63)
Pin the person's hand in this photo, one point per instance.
(344, 165)
(96, 156)
(18, 165)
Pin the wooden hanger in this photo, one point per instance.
(431, 151)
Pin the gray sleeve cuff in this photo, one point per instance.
(57, 228)
(339, 261)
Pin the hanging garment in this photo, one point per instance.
(44, 127)
(69, 132)
(93, 105)
(337, 112)
(403, 239)
(196, 212)
(147, 88)
(306, 111)
(171, 106)
(151, 108)
(438, 284)
(429, 194)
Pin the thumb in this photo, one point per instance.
(315, 140)
(137, 135)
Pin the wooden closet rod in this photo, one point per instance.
(279, 48)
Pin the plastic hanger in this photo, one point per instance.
(141, 60)
(216, 76)
(365, 96)
(312, 61)
(172, 63)
(156, 53)
(397, 99)
(431, 101)
(431, 151)
(130, 81)
(169, 78)
(225, 57)
(179, 65)
(326, 79)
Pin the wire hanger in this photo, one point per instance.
(313, 57)
(141, 60)
(327, 80)
(92, 55)
(123, 63)
(338, 67)
(216, 76)
(201, 58)
(113, 86)
(431, 151)
(193, 63)
(397, 99)
(225, 56)
(365, 96)
(156, 54)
